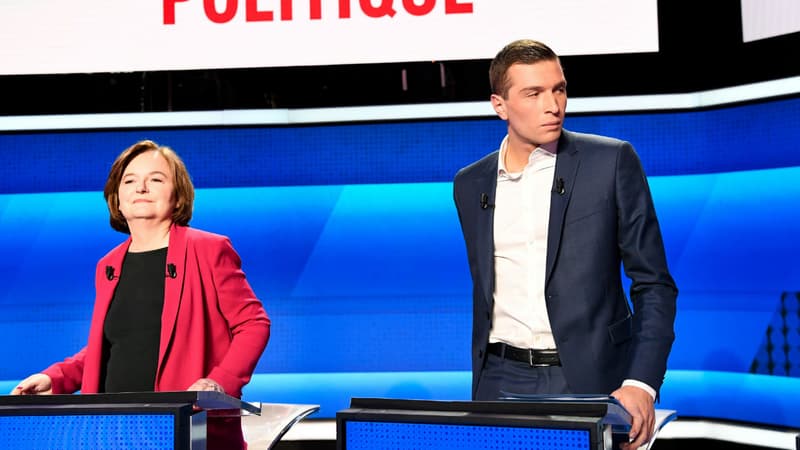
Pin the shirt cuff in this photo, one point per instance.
(641, 385)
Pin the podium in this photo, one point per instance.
(146, 420)
(547, 423)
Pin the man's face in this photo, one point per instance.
(535, 104)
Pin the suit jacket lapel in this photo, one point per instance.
(104, 293)
(567, 164)
(173, 288)
(486, 183)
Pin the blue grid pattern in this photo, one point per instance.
(95, 432)
(389, 435)
(670, 143)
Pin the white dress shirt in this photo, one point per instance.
(521, 218)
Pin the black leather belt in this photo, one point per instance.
(534, 358)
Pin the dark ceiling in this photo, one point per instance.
(700, 48)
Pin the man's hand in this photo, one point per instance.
(639, 403)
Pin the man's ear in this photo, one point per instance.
(499, 105)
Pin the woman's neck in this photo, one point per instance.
(147, 236)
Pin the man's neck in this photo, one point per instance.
(517, 154)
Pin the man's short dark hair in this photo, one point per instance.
(523, 51)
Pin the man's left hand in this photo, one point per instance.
(639, 404)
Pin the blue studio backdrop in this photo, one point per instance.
(349, 236)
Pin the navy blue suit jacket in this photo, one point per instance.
(605, 217)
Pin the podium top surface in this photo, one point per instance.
(605, 409)
(208, 400)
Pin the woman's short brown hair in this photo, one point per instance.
(184, 190)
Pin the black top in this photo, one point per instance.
(132, 329)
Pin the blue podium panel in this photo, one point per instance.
(510, 425)
(120, 421)
(421, 436)
(123, 431)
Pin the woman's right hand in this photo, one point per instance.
(36, 384)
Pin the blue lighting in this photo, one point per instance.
(349, 236)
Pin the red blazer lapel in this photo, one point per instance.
(173, 288)
(104, 292)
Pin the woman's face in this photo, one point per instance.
(147, 190)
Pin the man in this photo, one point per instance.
(547, 220)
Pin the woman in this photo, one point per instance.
(173, 310)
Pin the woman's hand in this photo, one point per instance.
(205, 384)
(36, 384)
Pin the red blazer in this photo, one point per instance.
(212, 324)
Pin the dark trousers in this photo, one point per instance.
(504, 377)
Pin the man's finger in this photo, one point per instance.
(636, 426)
(641, 437)
(638, 442)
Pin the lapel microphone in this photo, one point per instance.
(110, 273)
(485, 201)
(558, 188)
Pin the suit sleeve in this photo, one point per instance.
(66, 375)
(456, 197)
(248, 323)
(653, 291)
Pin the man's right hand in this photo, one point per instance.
(36, 384)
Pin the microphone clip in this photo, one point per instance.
(485, 200)
(172, 271)
(559, 187)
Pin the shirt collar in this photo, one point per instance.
(550, 148)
